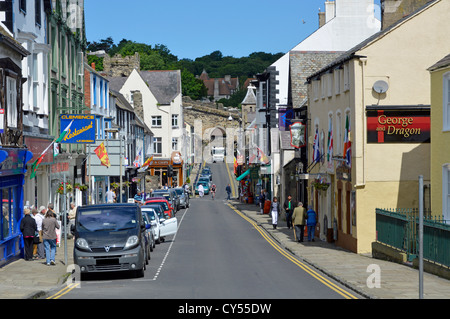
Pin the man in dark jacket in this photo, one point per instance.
(289, 209)
(28, 228)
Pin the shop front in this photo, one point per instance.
(12, 174)
(168, 171)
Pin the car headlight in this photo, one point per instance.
(132, 241)
(82, 244)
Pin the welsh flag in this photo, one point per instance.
(37, 162)
(347, 144)
(64, 133)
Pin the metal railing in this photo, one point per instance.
(399, 228)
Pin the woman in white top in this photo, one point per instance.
(275, 212)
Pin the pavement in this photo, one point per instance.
(22, 279)
(397, 281)
(34, 279)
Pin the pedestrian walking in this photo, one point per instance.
(289, 208)
(275, 212)
(201, 190)
(228, 189)
(311, 221)
(51, 209)
(262, 201)
(39, 219)
(34, 214)
(298, 220)
(28, 228)
(49, 226)
(110, 196)
(72, 215)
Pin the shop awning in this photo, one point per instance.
(243, 175)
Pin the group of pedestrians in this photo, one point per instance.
(38, 228)
(297, 217)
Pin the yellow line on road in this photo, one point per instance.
(231, 180)
(64, 291)
(303, 266)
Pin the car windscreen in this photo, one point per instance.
(150, 213)
(161, 194)
(179, 191)
(162, 204)
(107, 219)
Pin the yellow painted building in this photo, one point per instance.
(382, 87)
(440, 136)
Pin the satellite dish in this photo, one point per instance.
(380, 86)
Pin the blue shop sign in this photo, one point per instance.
(13, 161)
(82, 130)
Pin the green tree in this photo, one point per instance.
(191, 86)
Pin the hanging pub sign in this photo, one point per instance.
(398, 126)
(298, 134)
(80, 128)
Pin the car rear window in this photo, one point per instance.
(107, 219)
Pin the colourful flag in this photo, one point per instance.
(103, 155)
(330, 143)
(316, 149)
(263, 157)
(137, 160)
(64, 133)
(37, 162)
(347, 144)
(147, 162)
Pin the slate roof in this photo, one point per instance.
(350, 54)
(445, 62)
(165, 85)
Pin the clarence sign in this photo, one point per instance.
(398, 126)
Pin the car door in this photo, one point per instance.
(169, 227)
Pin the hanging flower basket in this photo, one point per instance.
(69, 188)
(321, 185)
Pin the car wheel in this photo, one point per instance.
(140, 272)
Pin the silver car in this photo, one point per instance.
(184, 197)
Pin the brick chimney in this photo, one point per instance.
(394, 10)
(138, 104)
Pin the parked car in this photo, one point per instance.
(164, 203)
(168, 194)
(110, 237)
(152, 216)
(204, 179)
(205, 187)
(150, 232)
(167, 226)
(184, 196)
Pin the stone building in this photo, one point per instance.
(220, 88)
(121, 66)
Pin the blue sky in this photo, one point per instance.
(195, 28)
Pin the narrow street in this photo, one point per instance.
(216, 254)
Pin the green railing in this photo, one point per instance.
(399, 228)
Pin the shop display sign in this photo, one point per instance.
(398, 126)
(298, 135)
(82, 130)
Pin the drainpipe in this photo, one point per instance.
(362, 63)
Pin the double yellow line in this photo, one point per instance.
(303, 266)
(64, 291)
(283, 252)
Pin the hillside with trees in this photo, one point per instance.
(159, 57)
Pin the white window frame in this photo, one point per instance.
(11, 101)
(446, 102)
(157, 141)
(174, 143)
(446, 191)
(157, 121)
(174, 120)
